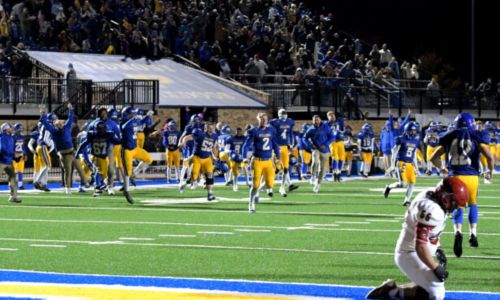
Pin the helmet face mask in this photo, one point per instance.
(282, 115)
(464, 120)
(18, 128)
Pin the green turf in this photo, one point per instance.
(344, 235)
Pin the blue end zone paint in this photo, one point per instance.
(216, 285)
(20, 298)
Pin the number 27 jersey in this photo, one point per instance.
(462, 151)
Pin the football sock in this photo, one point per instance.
(409, 192)
(473, 214)
(458, 216)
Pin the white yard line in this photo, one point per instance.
(253, 230)
(383, 221)
(178, 235)
(135, 239)
(202, 246)
(47, 246)
(306, 226)
(216, 232)
(8, 249)
(321, 225)
(351, 222)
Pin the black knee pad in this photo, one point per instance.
(210, 181)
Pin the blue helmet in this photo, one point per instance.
(172, 125)
(433, 124)
(464, 120)
(139, 111)
(488, 124)
(51, 117)
(101, 127)
(367, 127)
(18, 128)
(127, 111)
(113, 113)
(226, 129)
(194, 119)
(452, 126)
(293, 160)
(411, 129)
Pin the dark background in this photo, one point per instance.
(411, 28)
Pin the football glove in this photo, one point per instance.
(441, 257)
(440, 273)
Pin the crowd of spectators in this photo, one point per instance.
(253, 37)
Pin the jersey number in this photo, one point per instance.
(266, 145)
(409, 152)
(99, 148)
(172, 140)
(459, 152)
(206, 146)
(284, 136)
(19, 147)
(425, 215)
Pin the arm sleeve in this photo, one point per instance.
(31, 142)
(394, 156)
(405, 121)
(330, 136)
(69, 121)
(391, 122)
(247, 143)
(423, 231)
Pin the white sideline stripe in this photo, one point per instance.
(383, 221)
(8, 249)
(237, 248)
(349, 222)
(47, 246)
(216, 232)
(253, 230)
(135, 239)
(222, 225)
(178, 235)
(106, 243)
(326, 225)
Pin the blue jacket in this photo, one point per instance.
(6, 148)
(61, 137)
(319, 136)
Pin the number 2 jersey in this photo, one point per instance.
(462, 151)
(423, 223)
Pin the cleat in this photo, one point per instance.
(487, 181)
(252, 211)
(182, 186)
(251, 206)
(87, 185)
(81, 190)
(96, 194)
(14, 199)
(382, 291)
(44, 188)
(270, 194)
(364, 175)
(68, 191)
(37, 185)
(210, 197)
(111, 191)
(292, 187)
(406, 203)
(21, 187)
(316, 188)
(122, 188)
(194, 185)
(128, 197)
(387, 191)
(428, 172)
(235, 188)
(283, 191)
(457, 245)
(229, 183)
(473, 241)
(132, 181)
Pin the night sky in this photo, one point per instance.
(413, 27)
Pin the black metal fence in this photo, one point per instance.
(84, 94)
(353, 95)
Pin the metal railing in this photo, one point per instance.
(322, 94)
(54, 93)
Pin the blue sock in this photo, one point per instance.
(304, 168)
(340, 164)
(334, 165)
(473, 214)
(20, 178)
(98, 179)
(458, 216)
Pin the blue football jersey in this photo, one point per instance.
(19, 144)
(203, 143)
(170, 139)
(462, 151)
(284, 130)
(222, 140)
(235, 144)
(129, 133)
(100, 142)
(407, 148)
(264, 142)
(432, 137)
(366, 140)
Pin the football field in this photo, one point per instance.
(345, 235)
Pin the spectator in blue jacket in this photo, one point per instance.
(6, 157)
(61, 134)
(388, 136)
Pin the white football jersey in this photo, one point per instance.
(425, 211)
